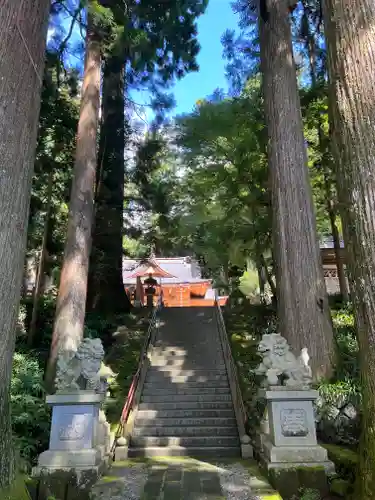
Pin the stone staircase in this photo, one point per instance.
(186, 406)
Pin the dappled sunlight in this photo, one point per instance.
(185, 407)
(177, 478)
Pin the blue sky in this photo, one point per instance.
(211, 75)
(217, 18)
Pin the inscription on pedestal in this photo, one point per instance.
(293, 423)
(74, 431)
(73, 427)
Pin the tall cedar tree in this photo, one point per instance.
(349, 28)
(167, 48)
(311, 13)
(302, 298)
(23, 31)
(71, 300)
(106, 291)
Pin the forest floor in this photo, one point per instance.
(184, 478)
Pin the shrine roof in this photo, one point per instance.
(328, 243)
(182, 270)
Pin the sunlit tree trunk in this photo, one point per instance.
(301, 294)
(71, 301)
(22, 43)
(350, 36)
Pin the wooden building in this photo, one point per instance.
(328, 255)
(179, 279)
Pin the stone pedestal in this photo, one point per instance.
(291, 441)
(79, 441)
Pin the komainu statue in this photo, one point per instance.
(81, 370)
(279, 366)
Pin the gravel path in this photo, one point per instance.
(180, 479)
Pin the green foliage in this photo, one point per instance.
(249, 283)
(44, 325)
(245, 324)
(339, 405)
(224, 191)
(122, 359)
(347, 367)
(30, 414)
(154, 200)
(18, 490)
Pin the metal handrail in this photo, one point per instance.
(143, 355)
(239, 407)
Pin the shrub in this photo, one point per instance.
(338, 407)
(245, 324)
(30, 414)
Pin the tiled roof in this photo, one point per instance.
(328, 243)
(185, 269)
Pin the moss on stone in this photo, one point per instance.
(340, 487)
(290, 481)
(346, 460)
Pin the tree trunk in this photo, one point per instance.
(328, 183)
(106, 291)
(71, 301)
(339, 252)
(350, 38)
(23, 32)
(38, 290)
(302, 298)
(268, 276)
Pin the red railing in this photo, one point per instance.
(133, 387)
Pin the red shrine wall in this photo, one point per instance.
(184, 295)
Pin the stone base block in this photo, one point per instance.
(82, 459)
(66, 483)
(247, 451)
(290, 479)
(294, 454)
(121, 453)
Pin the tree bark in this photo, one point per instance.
(38, 290)
(71, 301)
(338, 251)
(23, 31)
(302, 298)
(328, 183)
(268, 276)
(350, 36)
(106, 292)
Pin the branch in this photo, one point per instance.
(64, 43)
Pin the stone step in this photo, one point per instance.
(185, 414)
(181, 383)
(167, 372)
(185, 441)
(187, 352)
(180, 451)
(182, 398)
(187, 365)
(185, 432)
(185, 422)
(182, 391)
(186, 405)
